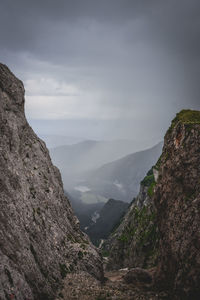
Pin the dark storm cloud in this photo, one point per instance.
(25, 25)
(176, 22)
(135, 60)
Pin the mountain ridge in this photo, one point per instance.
(123, 176)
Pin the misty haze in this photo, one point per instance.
(110, 160)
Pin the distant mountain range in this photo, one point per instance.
(95, 171)
(74, 160)
(98, 219)
(107, 218)
(84, 211)
(53, 141)
(121, 178)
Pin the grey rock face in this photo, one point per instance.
(40, 239)
(135, 241)
(170, 218)
(177, 199)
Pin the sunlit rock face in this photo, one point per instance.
(40, 239)
(177, 200)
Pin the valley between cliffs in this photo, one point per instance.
(152, 254)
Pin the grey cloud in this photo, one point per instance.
(140, 56)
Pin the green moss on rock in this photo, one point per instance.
(150, 190)
(142, 230)
(148, 179)
(185, 116)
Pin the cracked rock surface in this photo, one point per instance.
(40, 239)
(177, 200)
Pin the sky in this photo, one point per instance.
(109, 69)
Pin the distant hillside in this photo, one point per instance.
(98, 219)
(108, 218)
(74, 160)
(84, 211)
(121, 178)
(53, 141)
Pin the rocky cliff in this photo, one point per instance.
(162, 226)
(134, 243)
(177, 200)
(40, 239)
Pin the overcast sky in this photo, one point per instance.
(104, 69)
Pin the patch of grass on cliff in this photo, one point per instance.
(148, 179)
(143, 227)
(148, 235)
(150, 191)
(185, 116)
(124, 237)
(163, 157)
(188, 116)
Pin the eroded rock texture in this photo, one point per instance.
(177, 199)
(162, 227)
(40, 239)
(135, 241)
